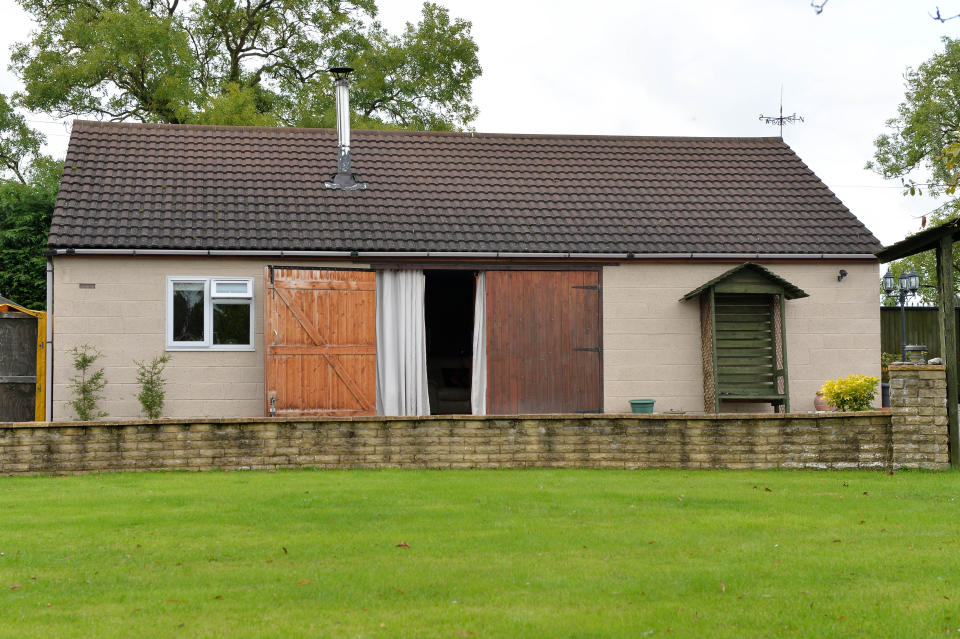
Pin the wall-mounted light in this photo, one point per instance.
(842, 275)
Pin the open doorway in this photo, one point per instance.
(448, 315)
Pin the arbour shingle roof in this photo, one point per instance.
(148, 186)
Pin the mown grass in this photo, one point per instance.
(535, 553)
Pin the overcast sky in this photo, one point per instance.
(693, 67)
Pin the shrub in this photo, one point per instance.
(152, 385)
(885, 360)
(87, 385)
(853, 392)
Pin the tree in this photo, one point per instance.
(28, 191)
(25, 213)
(244, 62)
(927, 122)
(921, 148)
(19, 144)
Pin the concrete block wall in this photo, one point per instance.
(117, 305)
(651, 340)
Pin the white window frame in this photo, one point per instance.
(209, 287)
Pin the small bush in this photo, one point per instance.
(152, 385)
(87, 385)
(885, 360)
(853, 392)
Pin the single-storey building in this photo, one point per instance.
(454, 272)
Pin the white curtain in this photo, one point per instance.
(401, 344)
(478, 385)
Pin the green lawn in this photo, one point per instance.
(535, 553)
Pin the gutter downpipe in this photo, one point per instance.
(48, 382)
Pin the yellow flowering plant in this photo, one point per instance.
(853, 392)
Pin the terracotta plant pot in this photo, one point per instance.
(820, 404)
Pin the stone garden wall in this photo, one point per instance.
(912, 434)
(918, 400)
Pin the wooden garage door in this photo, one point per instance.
(321, 341)
(543, 342)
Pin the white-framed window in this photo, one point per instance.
(210, 313)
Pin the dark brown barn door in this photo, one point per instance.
(321, 341)
(543, 342)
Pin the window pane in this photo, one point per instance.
(231, 324)
(188, 311)
(231, 288)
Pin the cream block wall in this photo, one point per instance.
(124, 317)
(651, 340)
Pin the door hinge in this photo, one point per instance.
(592, 287)
(592, 349)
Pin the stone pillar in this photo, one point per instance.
(918, 403)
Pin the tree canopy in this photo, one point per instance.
(920, 147)
(28, 191)
(245, 62)
(19, 144)
(25, 212)
(927, 122)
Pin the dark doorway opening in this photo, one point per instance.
(448, 314)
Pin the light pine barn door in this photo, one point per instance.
(321, 341)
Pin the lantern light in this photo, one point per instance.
(913, 281)
(888, 283)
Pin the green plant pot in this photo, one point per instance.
(642, 405)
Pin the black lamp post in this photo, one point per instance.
(909, 284)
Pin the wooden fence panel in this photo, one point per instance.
(18, 367)
(922, 328)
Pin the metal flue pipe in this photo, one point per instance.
(343, 118)
(344, 179)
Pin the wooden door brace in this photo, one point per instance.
(318, 340)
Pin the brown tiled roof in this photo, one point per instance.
(146, 186)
